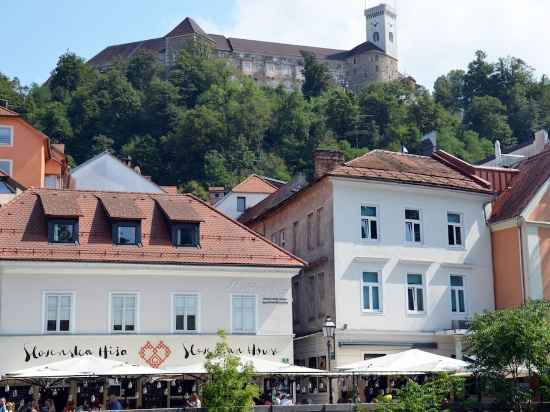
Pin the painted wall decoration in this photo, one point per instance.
(157, 351)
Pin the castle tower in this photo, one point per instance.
(382, 28)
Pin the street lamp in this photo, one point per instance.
(328, 332)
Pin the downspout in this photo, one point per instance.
(522, 257)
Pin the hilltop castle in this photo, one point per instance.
(275, 64)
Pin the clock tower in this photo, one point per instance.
(382, 28)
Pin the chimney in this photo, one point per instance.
(428, 144)
(215, 194)
(325, 160)
(541, 140)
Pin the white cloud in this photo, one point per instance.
(435, 36)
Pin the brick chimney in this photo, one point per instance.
(215, 194)
(325, 160)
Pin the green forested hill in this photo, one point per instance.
(200, 123)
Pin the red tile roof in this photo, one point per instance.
(255, 184)
(121, 206)
(23, 235)
(411, 169)
(533, 172)
(59, 204)
(178, 209)
(7, 112)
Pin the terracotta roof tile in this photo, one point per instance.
(7, 112)
(60, 204)
(412, 169)
(533, 172)
(178, 209)
(23, 235)
(121, 206)
(255, 184)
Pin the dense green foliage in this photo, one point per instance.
(200, 123)
(431, 396)
(506, 345)
(228, 387)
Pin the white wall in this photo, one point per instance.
(394, 258)
(228, 204)
(22, 287)
(384, 23)
(109, 174)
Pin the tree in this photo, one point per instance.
(316, 76)
(228, 386)
(70, 73)
(477, 80)
(487, 116)
(142, 69)
(509, 343)
(449, 90)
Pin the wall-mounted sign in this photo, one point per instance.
(20, 352)
(275, 301)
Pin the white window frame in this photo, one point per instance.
(461, 226)
(370, 285)
(12, 135)
(137, 317)
(413, 222)
(369, 218)
(247, 67)
(45, 295)
(256, 319)
(422, 286)
(452, 289)
(173, 297)
(10, 162)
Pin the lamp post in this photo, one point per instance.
(328, 332)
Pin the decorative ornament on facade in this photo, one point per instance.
(154, 355)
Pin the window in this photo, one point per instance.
(62, 231)
(282, 240)
(454, 229)
(186, 234)
(412, 226)
(58, 312)
(123, 312)
(415, 293)
(319, 225)
(186, 309)
(299, 72)
(295, 227)
(369, 222)
(247, 67)
(310, 231)
(244, 313)
(5, 188)
(311, 303)
(296, 302)
(458, 303)
(371, 292)
(6, 136)
(270, 69)
(241, 204)
(6, 166)
(286, 70)
(391, 36)
(51, 181)
(321, 294)
(127, 233)
(376, 36)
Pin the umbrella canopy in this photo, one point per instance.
(261, 367)
(409, 362)
(84, 366)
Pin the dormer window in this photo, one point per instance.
(185, 234)
(62, 230)
(127, 233)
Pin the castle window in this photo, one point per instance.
(376, 36)
(270, 69)
(355, 60)
(391, 36)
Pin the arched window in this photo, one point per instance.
(376, 36)
(391, 36)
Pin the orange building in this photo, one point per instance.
(520, 226)
(27, 155)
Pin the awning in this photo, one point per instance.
(409, 362)
(85, 367)
(261, 367)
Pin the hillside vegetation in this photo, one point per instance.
(200, 123)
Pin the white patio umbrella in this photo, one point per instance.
(84, 366)
(261, 367)
(409, 362)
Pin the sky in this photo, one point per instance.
(434, 36)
